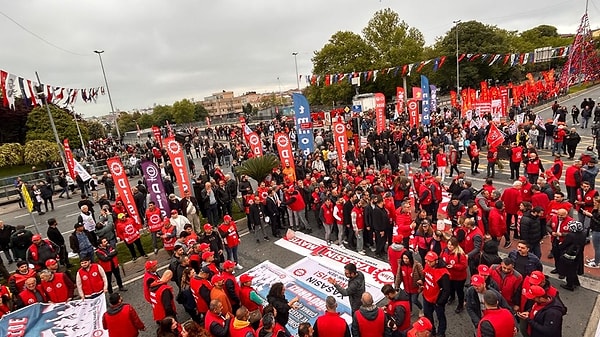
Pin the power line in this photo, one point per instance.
(39, 37)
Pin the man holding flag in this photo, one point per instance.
(495, 138)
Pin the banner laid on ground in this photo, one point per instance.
(377, 273)
(312, 301)
(70, 319)
(315, 275)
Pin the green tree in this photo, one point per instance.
(183, 111)
(200, 112)
(38, 126)
(11, 154)
(258, 168)
(162, 113)
(126, 122)
(41, 151)
(96, 129)
(248, 109)
(145, 121)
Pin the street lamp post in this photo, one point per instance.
(79, 130)
(456, 22)
(296, 63)
(112, 108)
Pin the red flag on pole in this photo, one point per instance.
(341, 142)
(284, 146)
(175, 151)
(123, 188)
(495, 138)
(380, 112)
(69, 157)
(413, 112)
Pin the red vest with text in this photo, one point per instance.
(120, 324)
(169, 244)
(154, 220)
(4, 308)
(211, 318)
(431, 291)
(587, 198)
(196, 284)
(328, 214)
(391, 309)
(147, 277)
(533, 166)
(91, 280)
(158, 310)
(516, 155)
(21, 278)
(360, 217)
(340, 210)
(373, 328)
(243, 332)
(128, 231)
(467, 244)
(429, 198)
(298, 203)
(56, 289)
(232, 239)
(502, 321)
(106, 265)
(246, 301)
(29, 297)
(236, 285)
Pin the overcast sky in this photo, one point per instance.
(163, 51)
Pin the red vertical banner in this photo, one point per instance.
(69, 158)
(464, 94)
(413, 112)
(472, 98)
(400, 97)
(175, 151)
(453, 99)
(340, 138)
(417, 93)
(123, 189)
(252, 139)
(380, 112)
(504, 99)
(284, 146)
(157, 135)
(484, 95)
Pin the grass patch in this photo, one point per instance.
(11, 171)
(581, 87)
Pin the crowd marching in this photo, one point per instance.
(386, 202)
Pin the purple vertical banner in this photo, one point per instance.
(434, 101)
(156, 188)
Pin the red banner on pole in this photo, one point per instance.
(284, 146)
(504, 99)
(175, 151)
(417, 93)
(400, 97)
(340, 139)
(484, 93)
(252, 139)
(495, 138)
(157, 135)
(119, 175)
(413, 112)
(453, 99)
(380, 112)
(69, 157)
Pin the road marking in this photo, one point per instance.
(73, 214)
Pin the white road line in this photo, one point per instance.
(73, 214)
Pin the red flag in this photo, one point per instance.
(453, 99)
(175, 151)
(442, 60)
(123, 189)
(252, 139)
(341, 142)
(3, 77)
(400, 96)
(417, 93)
(464, 95)
(157, 135)
(484, 94)
(495, 138)
(69, 158)
(380, 112)
(284, 146)
(413, 112)
(404, 70)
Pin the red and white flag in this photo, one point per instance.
(495, 138)
(380, 112)
(69, 158)
(413, 112)
(341, 142)
(177, 156)
(119, 175)
(284, 146)
(157, 135)
(252, 139)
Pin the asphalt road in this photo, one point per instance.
(580, 303)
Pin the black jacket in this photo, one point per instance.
(548, 321)
(354, 291)
(55, 236)
(531, 230)
(5, 234)
(380, 219)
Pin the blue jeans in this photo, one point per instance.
(232, 253)
(596, 244)
(440, 312)
(414, 299)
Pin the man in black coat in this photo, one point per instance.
(272, 211)
(530, 227)
(5, 232)
(380, 221)
(55, 236)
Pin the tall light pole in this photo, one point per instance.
(112, 108)
(456, 22)
(297, 77)
(78, 130)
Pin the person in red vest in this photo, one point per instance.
(456, 262)
(121, 319)
(525, 190)
(394, 253)
(107, 258)
(497, 221)
(436, 292)
(91, 279)
(231, 238)
(326, 217)
(512, 198)
(215, 321)
(32, 293)
(539, 198)
(150, 277)
(40, 251)
(168, 234)
(421, 328)
(515, 154)
(537, 278)
(249, 298)
(16, 281)
(492, 158)
(473, 152)
(559, 138)
(573, 179)
(57, 287)
(533, 168)
(154, 221)
(231, 286)
(546, 316)
(369, 320)
(201, 287)
(509, 281)
(162, 298)
(128, 230)
(441, 160)
(296, 210)
(585, 201)
(426, 197)
(240, 325)
(358, 224)
(5, 300)
(331, 324)
(398, 308)
(496, 321)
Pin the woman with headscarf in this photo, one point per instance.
(570, 254)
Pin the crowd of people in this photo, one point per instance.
(385, 202)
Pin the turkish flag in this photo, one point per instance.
(495, 138)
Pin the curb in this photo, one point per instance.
(592, 328)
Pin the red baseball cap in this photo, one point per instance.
(431, 256)
(207, 227)
(483, 270)
(228, 264)
(36, 237)
(535, 291)
(422, 324)
(477, 280)
(245, 278)
(536, 277)
(204, 246)
(216, 278)
(206, 255)
(150, 264)
(50, 262)
(397, 238)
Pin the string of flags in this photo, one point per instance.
(13, 86)
(511, 59)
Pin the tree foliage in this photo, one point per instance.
(258, 168)
(183, 111)
(96, 130)
(38, 126)
(200, 112)
(41, 151)
(11, 154)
